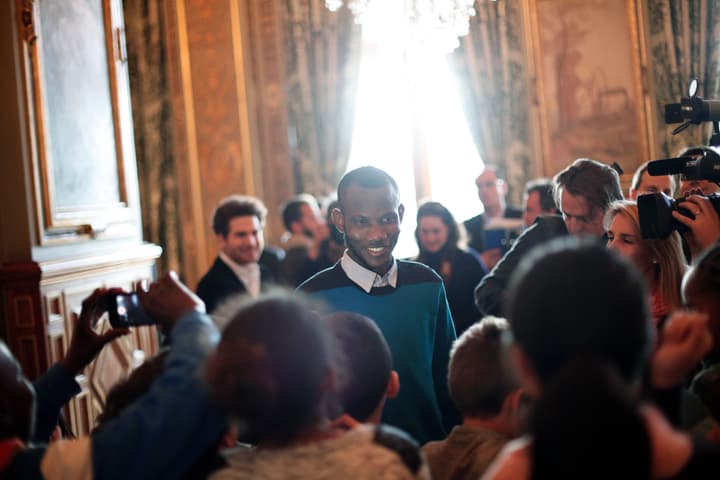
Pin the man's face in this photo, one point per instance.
(653, 184)
(490, 189)
(580, 218)
(533, 209)
(17, 399)
(707, 187)
(370, 219)
(309, 221)
(244, 241)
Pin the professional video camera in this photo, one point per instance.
(692, 110)
(701, 163)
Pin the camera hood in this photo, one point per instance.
(700, 163)
(656, 220)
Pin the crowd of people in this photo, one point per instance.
(554, 341)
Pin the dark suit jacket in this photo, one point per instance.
(220, 282)
(475, 227)
(490, 291)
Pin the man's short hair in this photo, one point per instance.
(544, 188)
(237, 206)
(367, 363)
(480, 374)
(642, 170)
(597, 183)
(573, 300)
(366, 177)
(292, 209)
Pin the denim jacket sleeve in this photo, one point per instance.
(162, 433)
(52, 391)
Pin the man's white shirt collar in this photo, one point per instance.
(248, 274)
(367, 279)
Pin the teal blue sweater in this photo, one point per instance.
(415, 319)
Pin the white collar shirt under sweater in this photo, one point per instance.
(367, 279)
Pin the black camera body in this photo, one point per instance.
(655, 211)
(700, 163)
(125, 310)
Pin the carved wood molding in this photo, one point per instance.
(82, 266)
(267, 42)
(21, 324)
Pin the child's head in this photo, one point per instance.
(481, 376)
(587, 424)
(701, 287)
(272, 370)
(574, 300)
(368, 375)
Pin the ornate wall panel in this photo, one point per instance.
(230, 121)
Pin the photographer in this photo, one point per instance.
(157, 437)
(704, 228)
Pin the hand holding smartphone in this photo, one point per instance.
(125, 310)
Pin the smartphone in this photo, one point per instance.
(124, 310)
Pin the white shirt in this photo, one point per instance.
(248, 274)
(367, 279)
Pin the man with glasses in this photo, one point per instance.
(583, 192)
(487, 231)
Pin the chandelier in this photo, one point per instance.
(440, 21)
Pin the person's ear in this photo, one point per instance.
(401, 212)
(393, 386)
(338, 219)
(221, 239)
(514, 400)
(525, 370)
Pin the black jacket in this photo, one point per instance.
(489, 293)
(221, 282)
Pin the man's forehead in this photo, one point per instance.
(487, 175)
(647, 179)
(244, 222)
(358, 197)
(574, 204)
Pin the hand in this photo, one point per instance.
(86, 343)
(684, 342)
(167, 300)
(704, 228)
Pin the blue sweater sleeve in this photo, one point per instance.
(444, 338)
(163, 432)
(52, 391)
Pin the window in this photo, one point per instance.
(409, 121)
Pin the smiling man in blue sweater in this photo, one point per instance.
(406, 299)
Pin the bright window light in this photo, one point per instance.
(407, 90)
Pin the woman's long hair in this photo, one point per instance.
(437, 209)
(666, 254)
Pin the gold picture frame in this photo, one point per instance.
(79, 118)
(592, 97)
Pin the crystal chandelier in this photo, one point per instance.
(441, 20)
